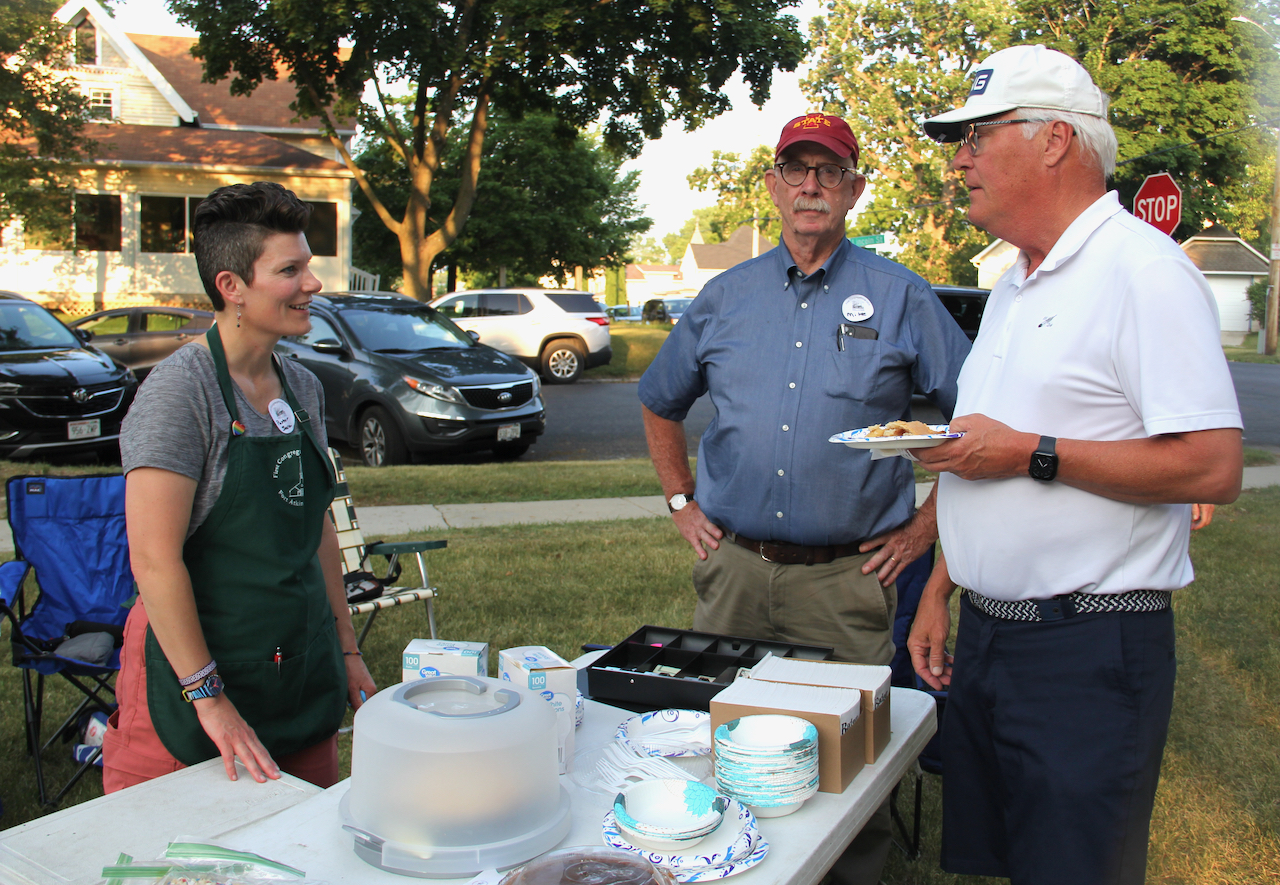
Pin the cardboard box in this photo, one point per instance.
(541, 670)
(871, 680)
(439, 657)
(835, 712)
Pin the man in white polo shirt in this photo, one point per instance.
(1096, 405)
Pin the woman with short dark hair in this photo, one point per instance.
(240, 644)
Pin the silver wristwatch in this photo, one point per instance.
(679, 501)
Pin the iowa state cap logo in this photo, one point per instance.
(981, 80)
(812, 121)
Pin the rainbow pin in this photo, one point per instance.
(237, 428)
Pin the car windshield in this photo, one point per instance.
(29, 326)
(404, 330)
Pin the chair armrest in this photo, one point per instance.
(384, 549)
(12, 574)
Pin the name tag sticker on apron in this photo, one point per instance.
(857, 308)
(282, 415)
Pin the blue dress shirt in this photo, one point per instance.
(761, 338)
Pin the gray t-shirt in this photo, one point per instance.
(179, 422)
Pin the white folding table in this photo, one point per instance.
(294, 822)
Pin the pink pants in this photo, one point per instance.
(132, 751)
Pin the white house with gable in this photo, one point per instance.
(165, 140)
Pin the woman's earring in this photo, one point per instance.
(237, 316)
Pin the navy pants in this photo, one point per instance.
(1052, 740)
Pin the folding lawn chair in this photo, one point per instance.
(69, 531)
(367, 593)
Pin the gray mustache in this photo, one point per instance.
(810, 204)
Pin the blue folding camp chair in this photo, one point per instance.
(69, 531)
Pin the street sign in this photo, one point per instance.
(1159, 202)
(872, 240)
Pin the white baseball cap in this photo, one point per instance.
(1022, 77)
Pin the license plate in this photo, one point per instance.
(508, 432)
(84, 429)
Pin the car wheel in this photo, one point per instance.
(562, 361)
(509, 451)
(380, 442)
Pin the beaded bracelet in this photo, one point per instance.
(199, 674)
(357, 653)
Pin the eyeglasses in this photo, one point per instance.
(829, 174)
(969, 135)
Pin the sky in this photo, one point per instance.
(666, 162)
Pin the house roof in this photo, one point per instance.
(267, 108)
(1219, 250)
(128, 144)
(733, 251)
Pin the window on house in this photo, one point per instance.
(86, 43)
(101, 104)
(163, 224)
(322, 231)
(97, 222)
(90, 223)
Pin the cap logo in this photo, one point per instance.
(812, 121)
(981, 80)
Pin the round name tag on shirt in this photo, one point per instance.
(281, 414)
(857, 308)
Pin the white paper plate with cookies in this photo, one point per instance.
(896, 438)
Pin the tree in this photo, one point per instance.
(741, 195)
(42, 115)
(641, 63)
(884, 66)
(1183, 95)
(550, 200)
(647, 250)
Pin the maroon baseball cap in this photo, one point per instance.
(831, 132)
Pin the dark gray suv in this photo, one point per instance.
(400, 379)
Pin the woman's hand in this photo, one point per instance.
(360, 685)
(233, 737)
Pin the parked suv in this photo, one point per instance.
(560, 332)
(966, 304)
(56, 393)
(141, 337)
(401, 379)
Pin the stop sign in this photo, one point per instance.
(1159, 202)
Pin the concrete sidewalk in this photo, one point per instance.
(386, 522)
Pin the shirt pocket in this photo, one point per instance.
(855, 372)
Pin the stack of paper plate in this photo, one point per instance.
(736, 845)
(768, 763)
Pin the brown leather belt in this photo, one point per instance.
(796, 554)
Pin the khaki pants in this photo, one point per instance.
(834, 604)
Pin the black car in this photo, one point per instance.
(56, 394)
(140, 337)
(966, 304)
(400, 379)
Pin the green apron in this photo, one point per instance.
(260, 594)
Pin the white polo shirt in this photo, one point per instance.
(1115, 336)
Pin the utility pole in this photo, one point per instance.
(1273, 290)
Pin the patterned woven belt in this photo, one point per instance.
(1071, 604)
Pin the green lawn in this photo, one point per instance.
(1217, 819)
(634, 347)
(1247, 352)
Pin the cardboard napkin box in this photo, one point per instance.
(871, 680)
(423, 658)
(550, 676)
(835, 712)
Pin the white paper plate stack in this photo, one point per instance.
(733, 847)
(768, 763)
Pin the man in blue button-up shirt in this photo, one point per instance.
(810, 339)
